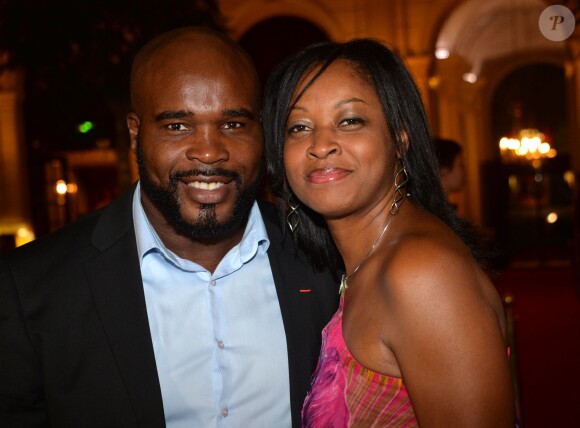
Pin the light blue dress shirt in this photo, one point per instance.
(219, 340)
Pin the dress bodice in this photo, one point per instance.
(346, 394)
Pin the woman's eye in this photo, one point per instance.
(296, 129)
(351, 121)
(176, 127)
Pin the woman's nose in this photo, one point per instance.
(323, 144)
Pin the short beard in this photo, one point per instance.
(207, 226)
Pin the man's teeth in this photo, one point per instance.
(205, 186)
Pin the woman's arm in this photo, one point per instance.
(445, 331)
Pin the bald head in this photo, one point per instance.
(175, 49)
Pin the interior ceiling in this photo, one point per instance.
(481, 31)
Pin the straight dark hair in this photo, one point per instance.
(406, 121)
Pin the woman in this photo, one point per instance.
(419, 335)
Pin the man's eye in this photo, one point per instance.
(176, 127)
(232, 125)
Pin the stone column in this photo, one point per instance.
(14, 189)
(459, 112)
(419, 65)
(572, 67)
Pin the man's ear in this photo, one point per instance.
(133, 124)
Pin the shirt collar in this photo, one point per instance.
(255, 239)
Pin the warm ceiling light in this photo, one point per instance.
(441, 53)
(470, 77)
(529, 144)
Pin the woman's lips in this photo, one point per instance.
(327, 175)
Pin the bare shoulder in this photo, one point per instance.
(431, 259)
(444, 323)
(432, 275)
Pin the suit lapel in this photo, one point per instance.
(294, 304)
(115, 280)
(295, 309)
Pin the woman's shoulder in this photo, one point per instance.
(444, 322)
(426, 252)
(429, 268)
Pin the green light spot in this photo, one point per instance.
(85, 127)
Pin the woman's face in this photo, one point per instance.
(338, 154)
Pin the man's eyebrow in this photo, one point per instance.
(179, 114)
(240, 112)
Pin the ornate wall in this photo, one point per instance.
(486, 38)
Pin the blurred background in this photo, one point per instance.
(500, 77)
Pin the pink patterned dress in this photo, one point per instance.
(346, 394)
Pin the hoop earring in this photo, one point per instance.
(401, 179)
(292, 218)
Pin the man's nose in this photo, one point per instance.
(207, 145)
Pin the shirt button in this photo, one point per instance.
(225, 412)
(221, 345)
(212, 283)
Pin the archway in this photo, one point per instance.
(532, 198)
(272, 40)
(478, 45)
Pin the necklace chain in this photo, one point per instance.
(343, 285)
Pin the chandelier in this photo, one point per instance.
(527, 145)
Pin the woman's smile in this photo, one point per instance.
(327, 175)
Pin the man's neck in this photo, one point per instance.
(205, 252)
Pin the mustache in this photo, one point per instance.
(178, 175)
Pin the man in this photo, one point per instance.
(181, 303)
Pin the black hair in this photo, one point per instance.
(406, 121)
(446, 151)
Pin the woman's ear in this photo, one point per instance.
(403, 139)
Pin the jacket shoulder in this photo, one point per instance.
(72, 243)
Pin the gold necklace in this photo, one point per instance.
(345, 277)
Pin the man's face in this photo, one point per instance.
(198, 140)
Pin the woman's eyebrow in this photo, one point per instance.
(347, 101)
(337, 105)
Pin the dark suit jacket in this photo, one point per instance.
(75, 345)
